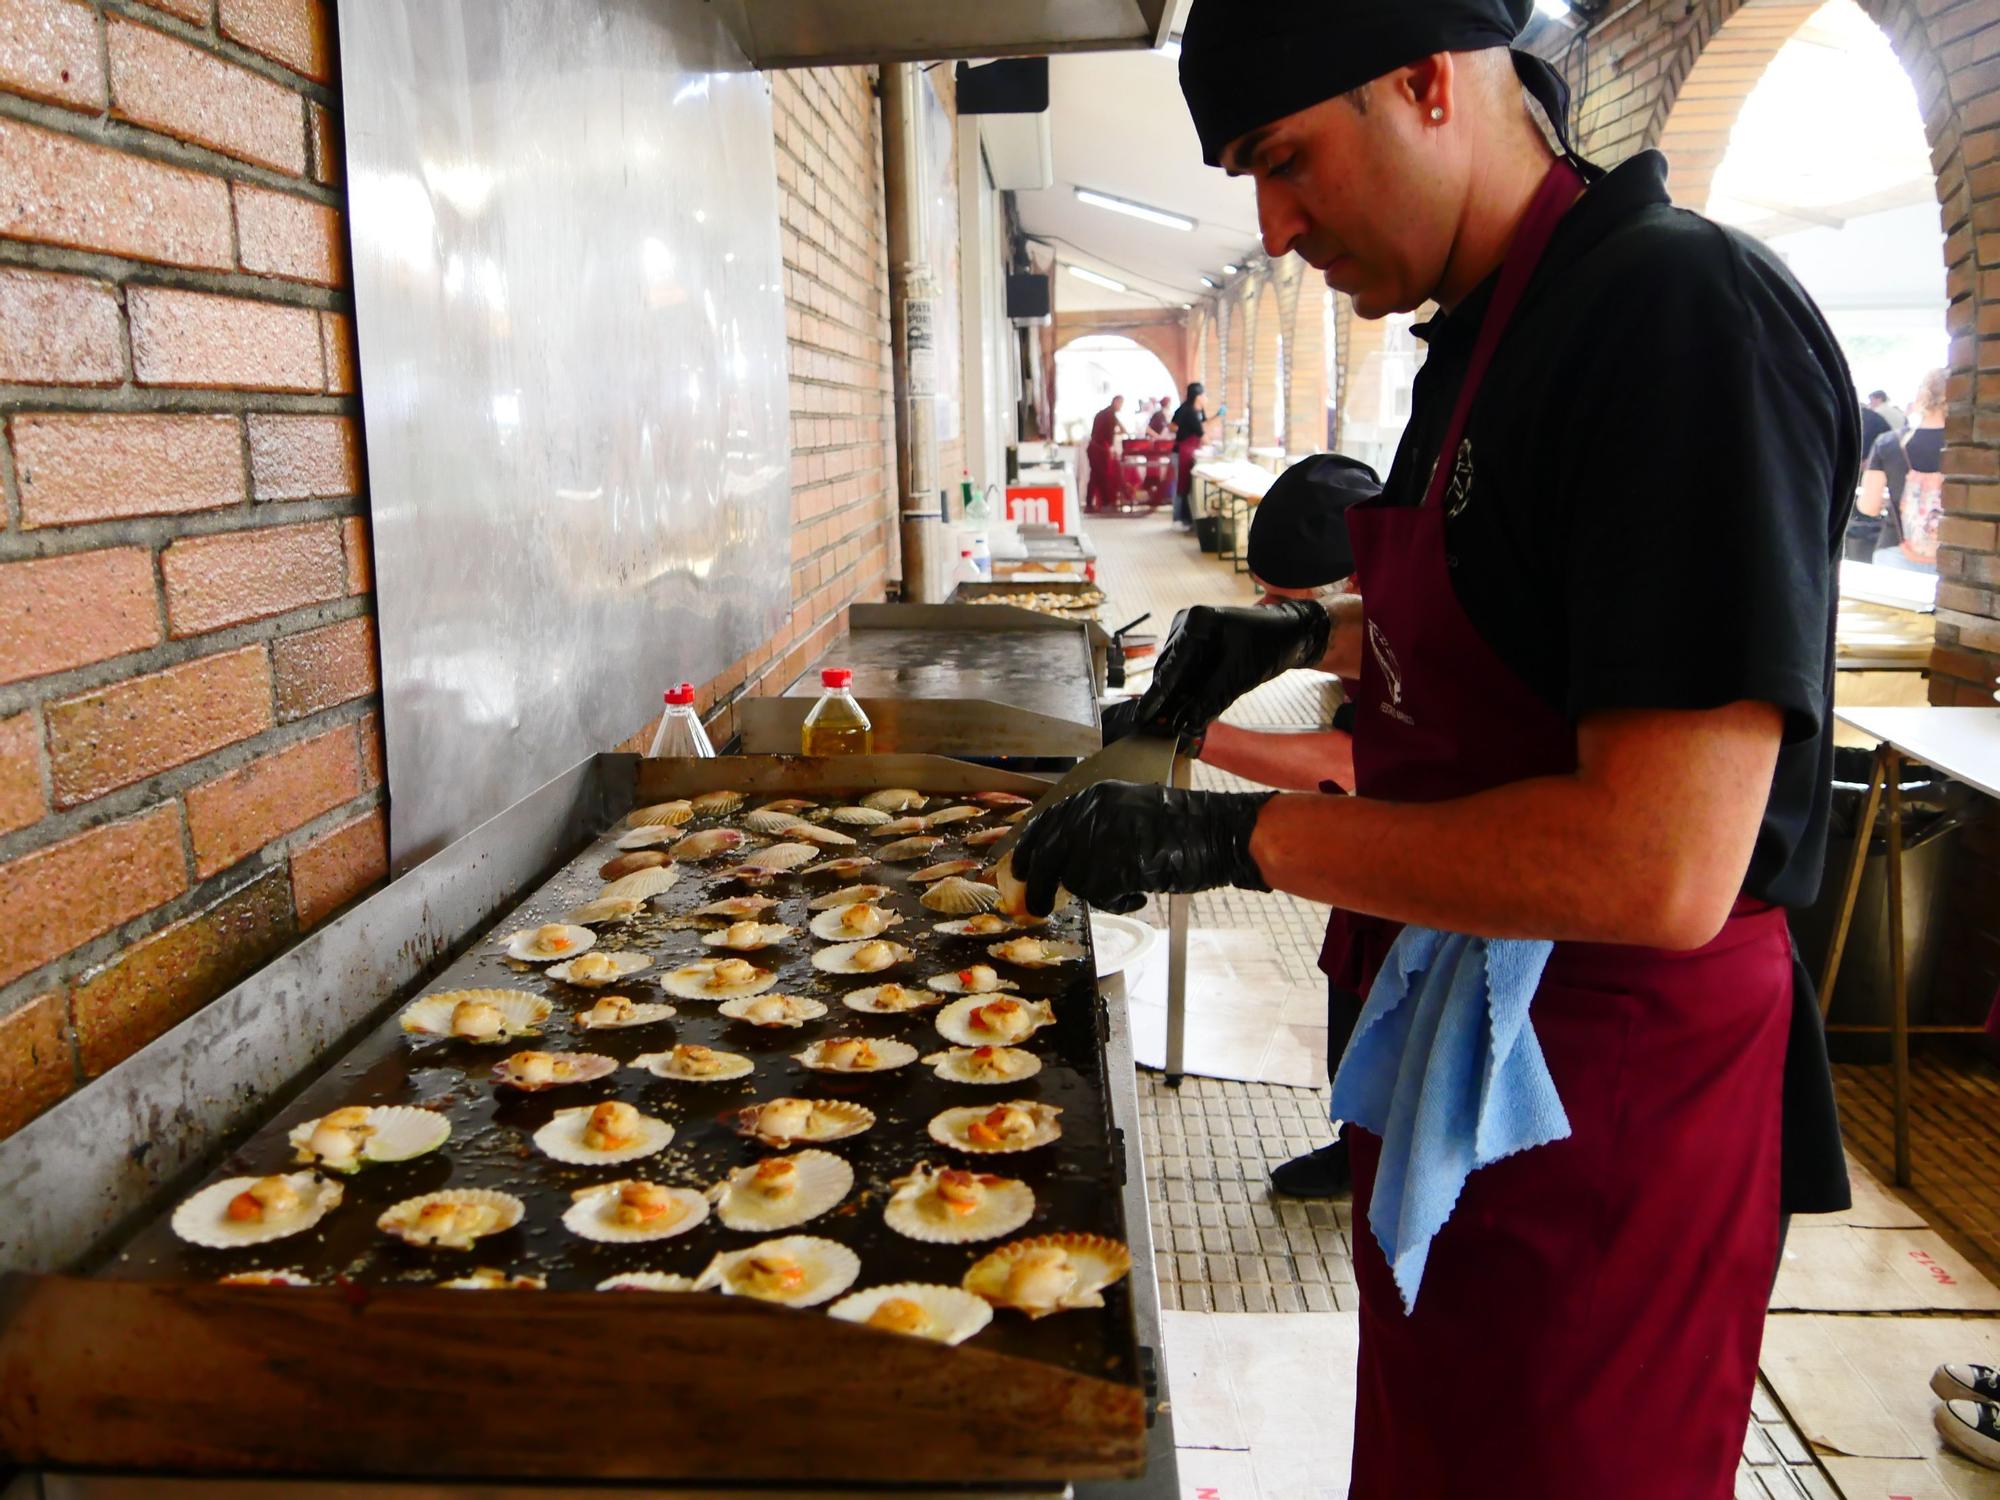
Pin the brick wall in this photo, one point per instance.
(190, 762)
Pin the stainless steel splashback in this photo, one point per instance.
(571, 319)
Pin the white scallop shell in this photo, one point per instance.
(899, 828)
(792, 805)
(826, 1120)
(265, 1278)
(593, 1212)
(842, 957)
(859, 817)
(204, 1219)
(773, 1010)
(764, 820)
(780, 858)
(580, 1067)
(1037, 953)
(660, 815)
(830, 1269)
(986, 838)
(606, 909)
(400, 1219)
(396, 1133)
(889, 1000)
(641, 885)
(917, 1212)
(954, 1022)
(979, 925)
(824, 838)
(851, 895)
(622, 964)
(642, 1013)
(646, 1281)
(693, 982)
(707, 844)
(650, 837)
(822, 1180)
(948, 1128)
(894, 799)
(1013, 894)
(521, 1014)
(831, 925)
(908, 851)
(960, 1065)
(845, 868)
(949, 870)
(525, 945)
(768, 934)
(1002, 799)
(716, 804)
(951, 984)
(665, 1065)
(952, 1314)
(562, 1139)
(944, 817)
(490, 1279)
(1092, 1264)
(736, 908)
(959, 897)
(889, 1054)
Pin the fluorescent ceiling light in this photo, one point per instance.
(1230, 270)
(1136, 210)
(1096, 280)
(1211, 283)
(1558, 9)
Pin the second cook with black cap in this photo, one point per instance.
(1592, 755)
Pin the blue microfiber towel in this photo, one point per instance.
(1445, 1068)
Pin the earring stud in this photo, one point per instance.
(1437, 113)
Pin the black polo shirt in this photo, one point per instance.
(1663, 462)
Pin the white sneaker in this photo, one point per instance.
(1973, 1428)
(1966, 1383)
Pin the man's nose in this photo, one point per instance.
(1280, 219)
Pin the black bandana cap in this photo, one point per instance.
(1248, 63)
(1298, 533)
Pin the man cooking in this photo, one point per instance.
(1572, 762)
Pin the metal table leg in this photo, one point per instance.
(1177, 946)
(1856, 865)
(1899, 985)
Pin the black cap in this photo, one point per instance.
(1247, 63)
(1298, 534)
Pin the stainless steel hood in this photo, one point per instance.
(813, 33)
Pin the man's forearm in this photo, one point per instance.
(1292, 762)
(1343, 646)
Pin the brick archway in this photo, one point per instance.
(1163, 334)
(1305, 359)
(1211, 356)
(1695, 135)
(1235, 384)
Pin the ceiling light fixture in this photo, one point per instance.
(1230, 270)
(1118, 205)
(1211, 283)
(1096, 279)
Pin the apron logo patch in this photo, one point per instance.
(1459, 495)
(1392, 673)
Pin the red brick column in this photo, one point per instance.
(1266, 324)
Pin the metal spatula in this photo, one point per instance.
(1137, 757)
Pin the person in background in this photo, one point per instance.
(1106, 486)
(1190, 423)
(1156, 424)
(1903, 484)
(1862, 529)
(1879, 403)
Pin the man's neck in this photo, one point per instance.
(1501, 193)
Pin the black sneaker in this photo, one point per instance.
(1973, 1428)
(1324, 1173)
(1966, 1383)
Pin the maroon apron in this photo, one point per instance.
(1590, 1315)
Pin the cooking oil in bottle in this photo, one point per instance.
(836, 725)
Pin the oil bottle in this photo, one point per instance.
(836, 725)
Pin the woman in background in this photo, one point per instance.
(1903, 484)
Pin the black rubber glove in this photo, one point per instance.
(1214, 656)
(1113, 843)
(1119, 719)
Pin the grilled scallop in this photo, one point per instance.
(691, 1063)
(242, 1211)
(602, 1134)
(348, 1139)
(781, 1122)
(980, 979)
(452, 1220)
(999, 1021)
(945, 1314)
(718, 979)
(851, 895)
(595, 970)
(617, 1012)
(1037, 953)
(546, 944)
(871, 957)
(797, 1271)
(855, 1054)
(1049, 1273)
(909, 851)
(945, 1206)
(773, 1010)
(856, 921)
(782, 1192)
(531, 1072)
(890, 999)
(626, 1213)
(895, 799)
(985, 1064)
(1020, 1126)
(488, 1017)
(749, 937)
(610, 909)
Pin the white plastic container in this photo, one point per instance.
(681, 733)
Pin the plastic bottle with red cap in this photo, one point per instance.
(681, 733)
(836, 725)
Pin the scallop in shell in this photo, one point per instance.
(617, 1012)
(980, 979)
(549, 942)
(909, 851)
(691, 1063)
(254, 1210)
(946, 1206)
(594, 970)
(825, 838)
(951, 869)
(899, 828)
(628, 1213)
(986, 838)
(531, 1072)
(749, 937)
(781, 1192)
(894, 799)
(889, 1000)
(780, 858)
(1049, 1273)
(1014, 895)
(1037, 953)
(641, 885)
(735, 908)
(792, 805)
(944, 817)
(956, 896)
(661, 815)
(605, 909)
(841, 869)
(796, 1271)
(348, 1139)
(780, 1122)
(601, 1134)
(857, 1054)
(625, 864)
(646, 1281)
(492, 1279)
(984, 925)
(718, 979)
(1009, 800)
(648, 838)
(871, 957)
(849, 923)
(716, 804)
(858, 817)
(707, 844)
(486, 1016)
(773, 1010)
(984, 1065)
(945, 1314)
(851, 895)
(452, 1220)
(765, 820)
(1021, 1125)
(980, 1021)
